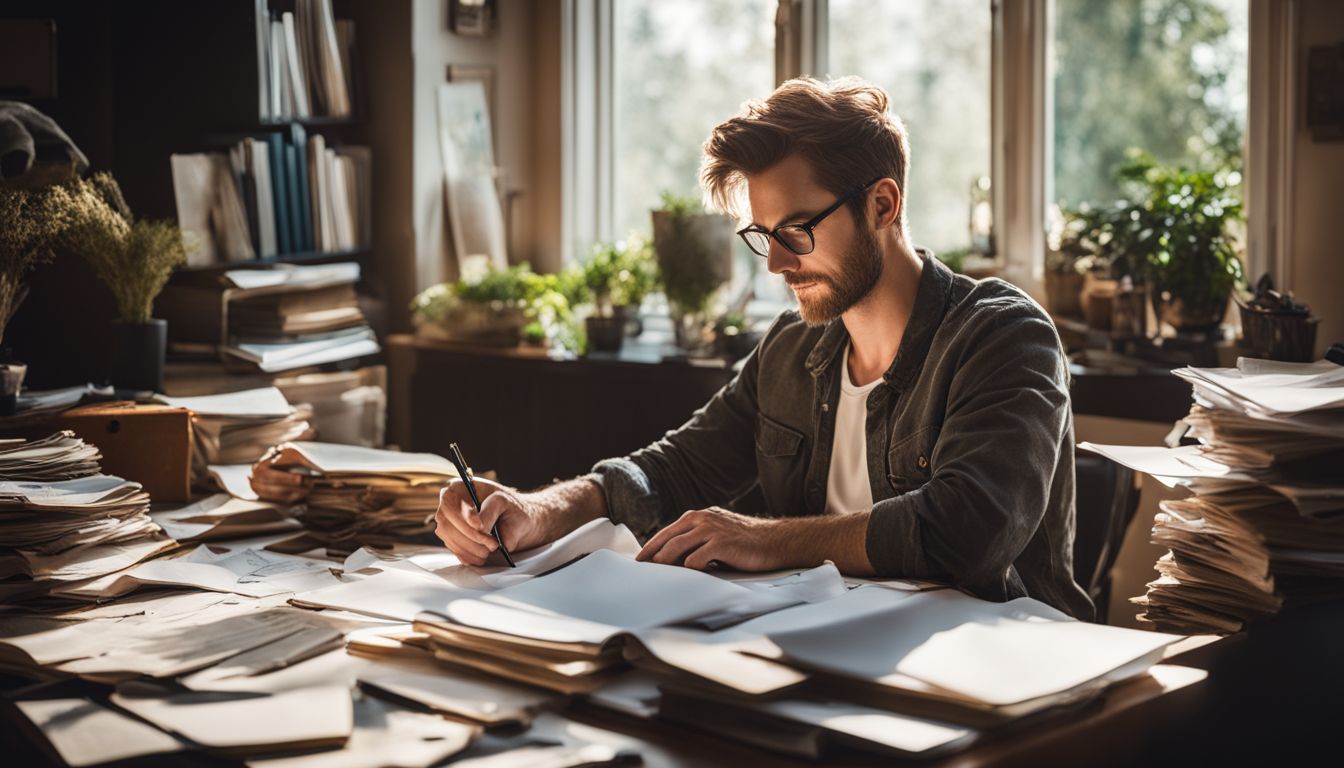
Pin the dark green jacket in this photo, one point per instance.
(970, 444)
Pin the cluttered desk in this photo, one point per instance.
(340, 632)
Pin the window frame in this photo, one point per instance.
(1021, 125)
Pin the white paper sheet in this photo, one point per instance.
(235, 480)
(334, 458)
(85, 733)
(253, 403)
(392, 593)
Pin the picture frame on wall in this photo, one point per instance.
(472, 18)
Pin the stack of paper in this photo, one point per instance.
(1265, 521)
(60, 456)
(367, 496)
(237, 428)
(348, 406)
(565, 630)
(59, 533)
(288, 318)
(222, 516)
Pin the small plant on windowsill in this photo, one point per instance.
(502, 307)
(617, 278)
(694, 250)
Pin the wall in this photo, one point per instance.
(1317, 258)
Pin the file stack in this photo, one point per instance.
(61, 531)
(239, 427)
(367, 496)
(1265, 522)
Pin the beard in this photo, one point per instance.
(832, 296)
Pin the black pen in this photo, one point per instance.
(462, 470)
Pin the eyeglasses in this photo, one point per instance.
(797, 238)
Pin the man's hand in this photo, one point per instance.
(714, 537)
(467, 533)
(272, 482)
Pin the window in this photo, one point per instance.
(933, 60)
(1167, 77)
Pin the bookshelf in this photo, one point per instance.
(139, 82)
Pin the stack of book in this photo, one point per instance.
(1265, 521)
(304, 62)
(280, 193)
(63, 523)
(366, 496)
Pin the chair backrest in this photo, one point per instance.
(1107, 498)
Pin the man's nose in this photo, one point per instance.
(781, 259)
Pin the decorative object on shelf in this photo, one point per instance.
(475, 214)
(695, 258)
(134, 258)
(1275, 326)
(617, 277)
(32, 222)
(502, 307)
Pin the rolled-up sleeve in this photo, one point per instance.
(710, 460)
(992, 466)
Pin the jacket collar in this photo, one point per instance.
(935, 287)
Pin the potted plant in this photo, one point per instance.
(1108, 247)
(134, 258)
(616, 279)
(501, 307)
(1190, 253)
(31, 223)
(694, 252)
(1065, 270)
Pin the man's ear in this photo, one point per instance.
(886, 203)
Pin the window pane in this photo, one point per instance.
(1167, 77)
(933, 60)
(680, 69)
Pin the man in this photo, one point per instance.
(904, 422)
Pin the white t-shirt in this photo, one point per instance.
(847, 488)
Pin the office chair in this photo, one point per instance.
(1107, 498)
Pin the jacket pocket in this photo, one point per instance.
(910, 459)
(776, 440)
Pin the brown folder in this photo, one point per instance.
(150, 444)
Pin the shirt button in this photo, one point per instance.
(923, 462)
(826, 406)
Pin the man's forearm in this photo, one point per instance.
(810, 541)
(568, 504)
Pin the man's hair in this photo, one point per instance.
(842, 128)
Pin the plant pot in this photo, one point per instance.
(695, 257)
(137, 355)
(1188, 314)
(1097, 299)
(1286, 336)
(1129, 311)
(493, 325)
(1063, 293)
(605, 334)
(11, 383)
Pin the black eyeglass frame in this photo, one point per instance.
(806, 226)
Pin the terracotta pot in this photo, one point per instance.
(1063, 293)
(1097, 298)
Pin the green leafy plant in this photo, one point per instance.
(620, 274)
(133, 257)
(687, 263)
(30, 222)
(1173, 231)
(543, 302)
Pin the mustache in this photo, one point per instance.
(798, 278)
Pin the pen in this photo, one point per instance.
(462, 470)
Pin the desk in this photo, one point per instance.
(1272, 698)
